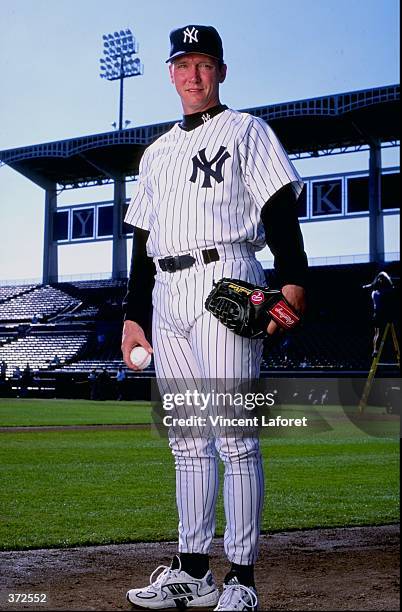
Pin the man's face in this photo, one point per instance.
(197, 78)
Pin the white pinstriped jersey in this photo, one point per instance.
(207, 186)
(199, 189)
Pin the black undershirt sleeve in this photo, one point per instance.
(137, 303)
(284, 237)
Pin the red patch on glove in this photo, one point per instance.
(284, 315)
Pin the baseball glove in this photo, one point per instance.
(247, 309)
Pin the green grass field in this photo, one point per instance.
(65, 488)
(32, 412)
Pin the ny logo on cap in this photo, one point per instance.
(200, 162)
(190, 35)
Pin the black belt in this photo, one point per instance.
(180, 262)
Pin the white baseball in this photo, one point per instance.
(140, 357)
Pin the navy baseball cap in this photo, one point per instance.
(195, 39)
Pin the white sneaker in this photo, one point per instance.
(236, 596)
(174, 588)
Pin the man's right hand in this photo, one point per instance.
(133, 335)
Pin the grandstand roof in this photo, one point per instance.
(311, 127)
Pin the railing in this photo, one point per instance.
(313, 261)
(336, 260)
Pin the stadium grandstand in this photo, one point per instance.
(67, 330)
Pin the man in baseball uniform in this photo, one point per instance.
(211, 192)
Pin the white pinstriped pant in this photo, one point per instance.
(189, 343)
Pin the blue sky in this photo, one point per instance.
(275, 51)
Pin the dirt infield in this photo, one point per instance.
(324, 569)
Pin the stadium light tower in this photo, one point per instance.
(118, 62)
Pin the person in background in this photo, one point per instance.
(3, 370)
(17, 375)
(103, 382)
(92, 379)
(120, 383)
(383, 300)
(26, 380)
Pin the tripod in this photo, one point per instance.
(376, 362)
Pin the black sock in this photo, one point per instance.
(195, 564)
(244, 574)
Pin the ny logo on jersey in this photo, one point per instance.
(190, 35)
(200, 162)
